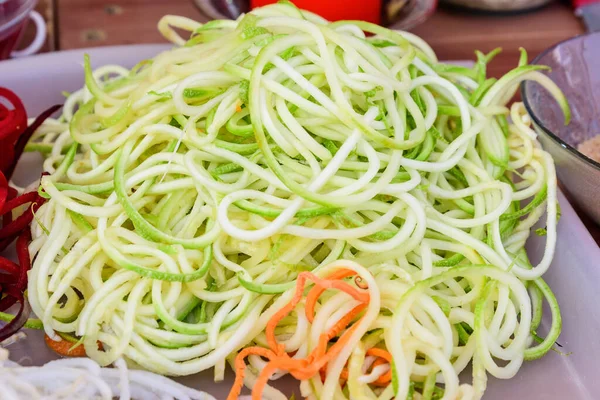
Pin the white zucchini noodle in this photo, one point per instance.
(80, 378)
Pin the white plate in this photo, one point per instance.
(574, 275)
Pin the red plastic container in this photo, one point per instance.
(334, 10)
(397, 14)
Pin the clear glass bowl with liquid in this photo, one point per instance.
(575, 68)
(13, 19)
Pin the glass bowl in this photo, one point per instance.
(499, 5)
(575, 67)
(13, 18)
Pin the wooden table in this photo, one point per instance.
(453, 34)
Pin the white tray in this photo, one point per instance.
(574, 275)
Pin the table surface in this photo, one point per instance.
(453, 34)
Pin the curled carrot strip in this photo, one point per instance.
(344, 321)
(240, 368)
(330, 283)
(263, 378)
(279, 315)
(65, 348)
(308, 367)
(381, 353)
(313, 368)
(384, 357)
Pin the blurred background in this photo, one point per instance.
(454, 28)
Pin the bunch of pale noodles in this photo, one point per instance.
(187, 196)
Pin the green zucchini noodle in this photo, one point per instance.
(188, 193)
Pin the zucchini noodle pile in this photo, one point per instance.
(186, 195)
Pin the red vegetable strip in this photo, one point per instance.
(26, 135)
(13, 122)
(18, 201)
(22, 222)
(14, 135)
(24, 259)
(24, 310)
(8, 266)
(12, 193)
(17, 226)
(6, 303)
(6, 279)
(7, 218)
(3, 191)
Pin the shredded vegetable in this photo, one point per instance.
(15, 218)
(75, 379)
(65, 347)
(202, 205)
(305, 368)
